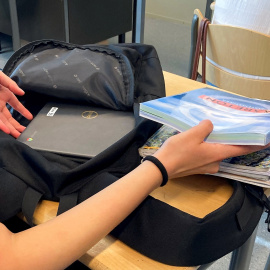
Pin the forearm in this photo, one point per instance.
(57, 243)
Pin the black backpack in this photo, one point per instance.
(45, 70)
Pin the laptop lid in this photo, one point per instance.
(75, 130)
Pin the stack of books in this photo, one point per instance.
(237, 120)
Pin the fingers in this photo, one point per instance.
(8, 89)
(221, 151)
(201, 131)
(17, 105)
(9, 125)
(10, 84)
(8, 128)
(4, 127)
(12, 121)
(224, 151)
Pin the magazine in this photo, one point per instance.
(253, 168)
(236, 119)
(156, 140)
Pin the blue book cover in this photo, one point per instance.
(236, 119)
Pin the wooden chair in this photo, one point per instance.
(237, 59)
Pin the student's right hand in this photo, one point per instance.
(187, 153)
(8, 90)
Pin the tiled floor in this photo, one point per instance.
(172, 41)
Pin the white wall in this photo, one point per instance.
(174, 10)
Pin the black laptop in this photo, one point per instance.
(75, 130)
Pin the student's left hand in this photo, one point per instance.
(8, 90)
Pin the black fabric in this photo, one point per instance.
(118, 77)
(177, 238)
(66, 202)
(30, 201)
(15, 224)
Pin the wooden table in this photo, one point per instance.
(198, 195)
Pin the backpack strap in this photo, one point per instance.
(66, 202)
(30, 201)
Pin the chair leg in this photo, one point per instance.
(208, 11)
(14, 25)
(138, 21)
(241, 257)
(194, 35)
(205, 266)
(122, 38)
(66, 20)
(267, 266)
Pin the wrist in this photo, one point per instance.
(153, 173)
(160, 167)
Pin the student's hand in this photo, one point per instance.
(8, 90)
(187, 153)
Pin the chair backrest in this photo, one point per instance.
(250, 14)
(238, 60)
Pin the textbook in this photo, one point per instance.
(253, 168)
(237, 120)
